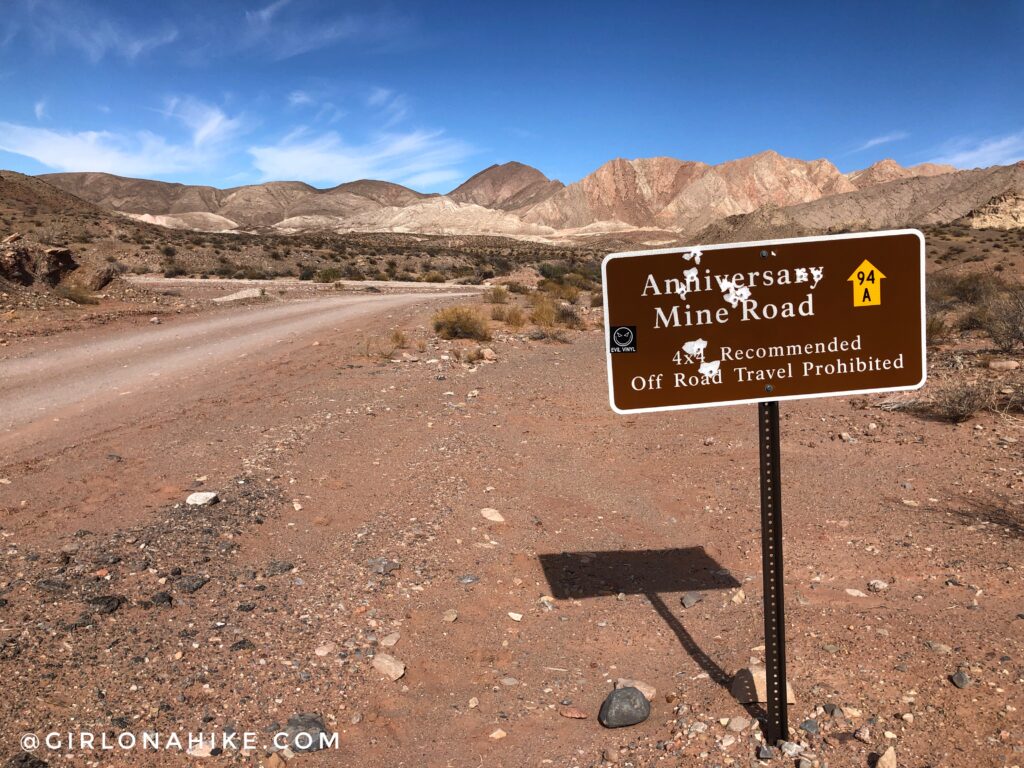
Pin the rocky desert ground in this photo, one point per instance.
(393, 522)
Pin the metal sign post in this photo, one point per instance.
(762, 322)
(771, 557)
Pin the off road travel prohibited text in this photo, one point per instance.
(758, 323)
(775, 320)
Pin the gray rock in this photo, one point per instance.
(690, 599)
(191, 584)
(764, 752)
(468, 579)
(960, 679)
(791, 748)
(278, 567)
(832, 710)
(623, 707)
(305, 732)
(810, 726)
(382, 565)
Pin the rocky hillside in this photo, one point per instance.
(658, 199)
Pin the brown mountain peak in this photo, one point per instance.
(506, 186)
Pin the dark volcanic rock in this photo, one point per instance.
(305, 732)
(624, 706)
(277, 567)
(190, 584)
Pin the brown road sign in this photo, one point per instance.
(775, 320)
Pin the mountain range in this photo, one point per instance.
(655, 197)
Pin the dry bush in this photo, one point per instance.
(596, 300)
(510, 315)
(496, 295)
(937, 330)
(1003, 319)
(570, 318)
(399, 339)
(957, 401)
(569, 293)
(461, 323)
(514, 286)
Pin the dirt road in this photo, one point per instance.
(350, 527)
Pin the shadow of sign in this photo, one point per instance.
(648, 572)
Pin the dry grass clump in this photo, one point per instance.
(496, 295)
(399, 339)
(544, 312)
(957, 401)
(461, 323)
(77, 294)
(570, 318)
(510, 315)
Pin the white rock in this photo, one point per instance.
(389, 666)
(202, 499)
(888, 759)
(390, 640)
(515, 616)
(325, 650)
(855, 593)
(498, 734)
(492, 514)
(450, 615)
(877, 585)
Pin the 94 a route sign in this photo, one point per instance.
(756, 322)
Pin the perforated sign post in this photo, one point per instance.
(716, 325)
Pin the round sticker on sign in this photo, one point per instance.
(622, 339)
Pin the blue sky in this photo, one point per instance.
(426, 94)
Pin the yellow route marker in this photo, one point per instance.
(867, 285)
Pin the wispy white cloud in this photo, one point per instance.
(285, 35)
(981, 153)
(40, 109)
(207, 123)
(877, 141)
(414, 157)
(393, 106)
(300, 98)
(137, 154)
(56, 25)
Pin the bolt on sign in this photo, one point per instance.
(773, 320)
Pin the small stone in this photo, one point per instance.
(738, 724)
(474, 703)
(278, 568)
(888, 759)
(276, 761)
(161, 598)
(624, 707)
(492, 514)
(508, 682)
(739, 597)
(202, 499)
(863, 734)
(192, 584)
(498, 734)
(939, 647)
(790, 748)
(690, 599)
(1003, 365)
(389, 666)
(390, 640)
(382, 565)
(468, 579)
(450, 615)
(855, 593)
(648, 690)
(154, 320)
(911, 503)
(960, 679)
(305, 732)
(515, 616)
(764, 752)
(908, 718)
(832, 710)
(573, 713)
(877, 585)
(810, 726)
(488, 354)
(242, 645)
(727, 741)
(325, 650)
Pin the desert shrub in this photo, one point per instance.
(957, 401)
(596, 300)
(514, 286)
(433, 277)
(510, 315)
(569, 293)
(1003, 319)
(568, 316)
(552, 271)
(496, 295)
(306, 272)
(77, 294)
(461, 323)
(173, 270)
(399, 339)
(937, 329)
(977, 288)
(328, 275)
(544, 312)
(168, 251)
